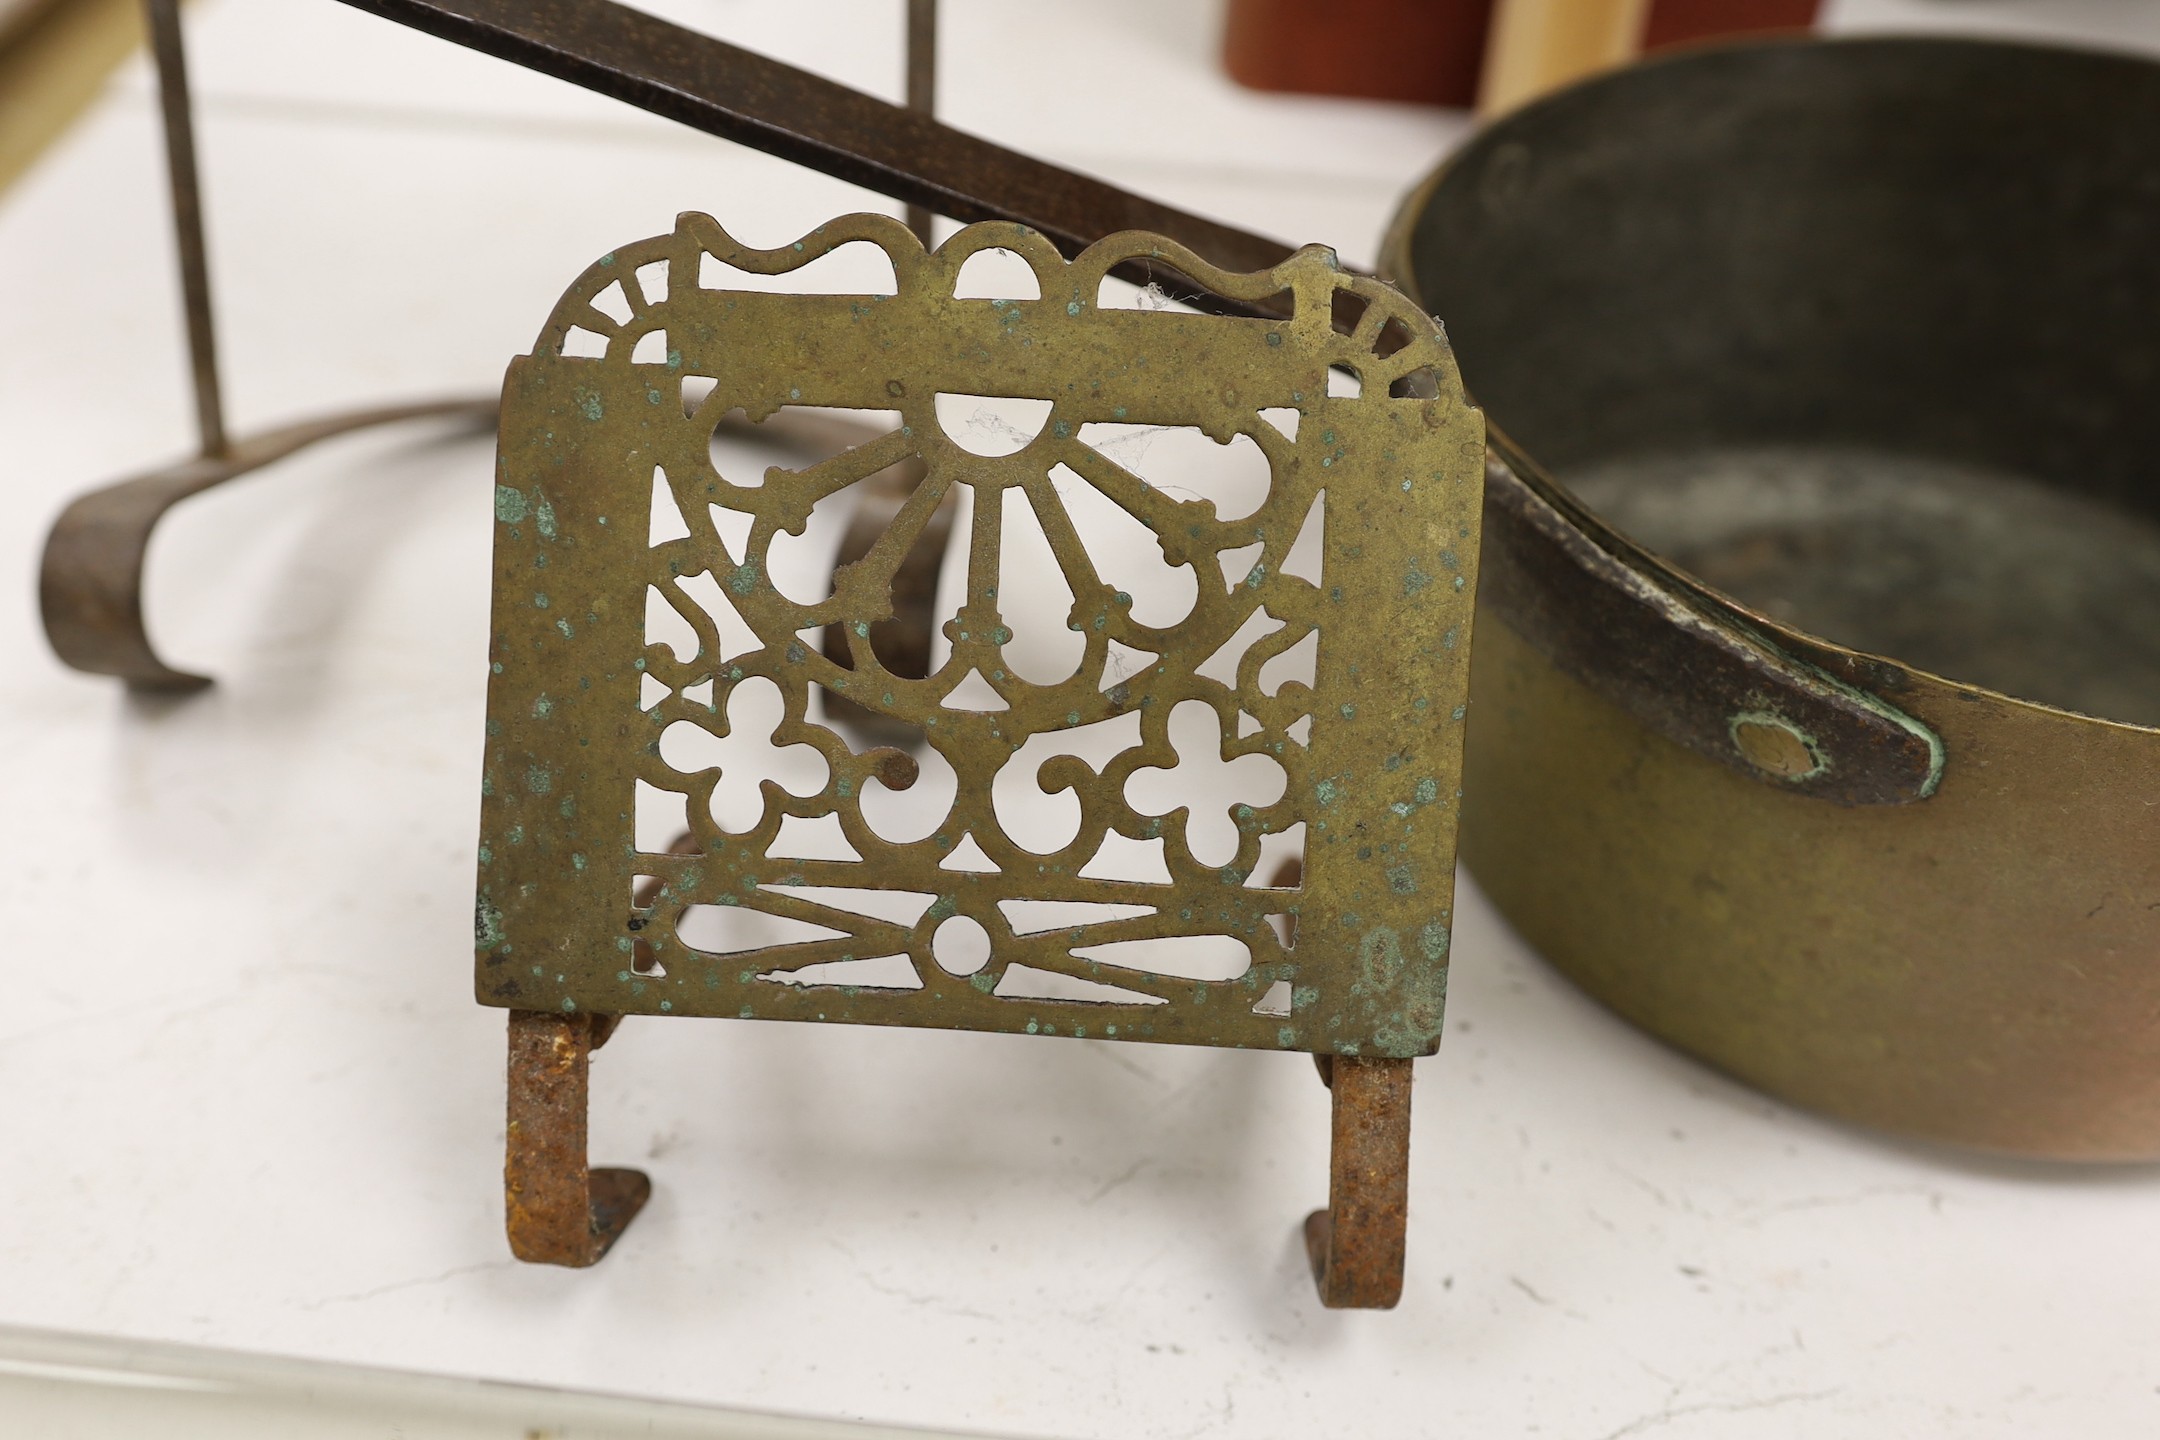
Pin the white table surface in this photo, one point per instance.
(246, 1099)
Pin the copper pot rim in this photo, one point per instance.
(1517, 463)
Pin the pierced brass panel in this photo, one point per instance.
(1368, 752)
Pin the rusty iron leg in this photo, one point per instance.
(560, 1212)
(1356, 1244)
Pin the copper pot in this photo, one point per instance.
(1819, 643)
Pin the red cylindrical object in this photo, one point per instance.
(1677, 22)
(1418, 50)
(1430, 51)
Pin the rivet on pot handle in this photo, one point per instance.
(1693, 672)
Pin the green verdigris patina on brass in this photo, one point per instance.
(1370, 751)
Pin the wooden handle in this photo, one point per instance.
(1540, 45)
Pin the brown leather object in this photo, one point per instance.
(1420, 50)
(1431, 51)
(1681, 22)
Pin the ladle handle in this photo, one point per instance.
(905, 154)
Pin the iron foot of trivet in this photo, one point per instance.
(90, 584)
(559, 1210)
(1356, 1245)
